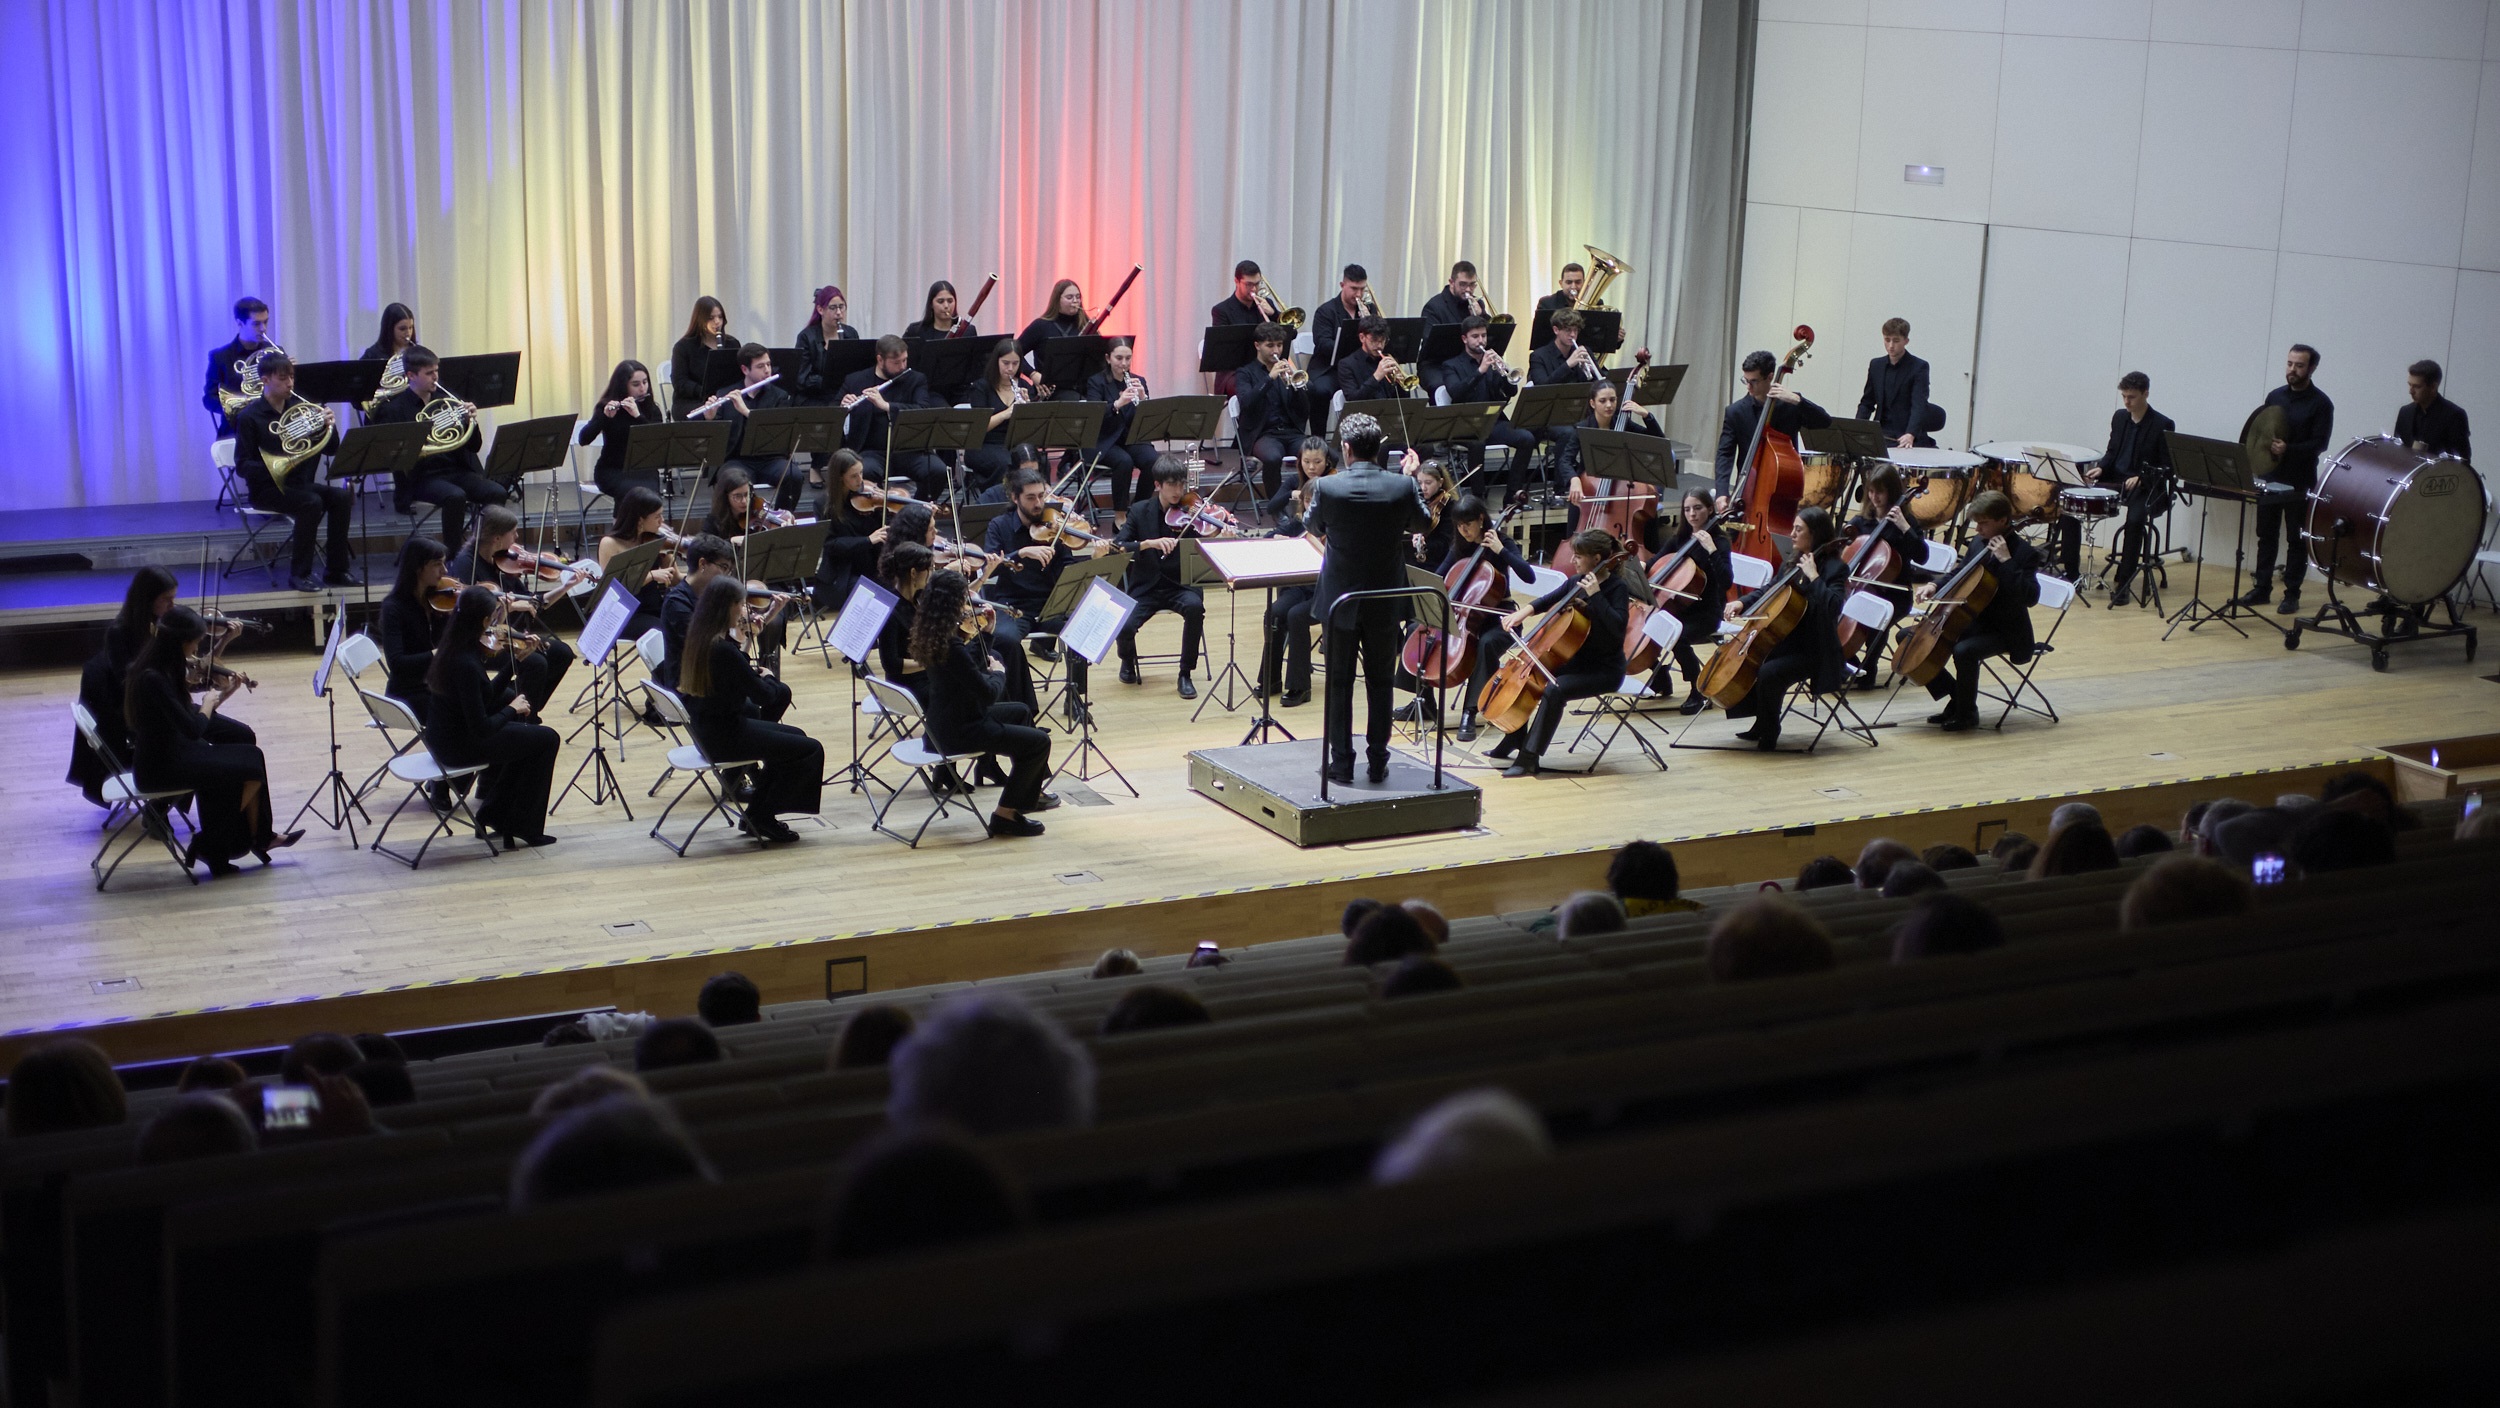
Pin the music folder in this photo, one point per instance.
(484, 380)
(524, 447)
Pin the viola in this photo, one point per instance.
(1511, 696)
(1772, 481)
(1194, 513)
(577, 577)
(1442, 658)
(1959, 598)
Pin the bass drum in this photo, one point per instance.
(2389, 520)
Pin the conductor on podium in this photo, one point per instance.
(1365, 513)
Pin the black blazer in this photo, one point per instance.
(1233, 313)
(769, 398)
(468, 712)
(849, 555)
(222, 376)
(957, 710)
(1363, 377)
(1896, 396)
(1149, 569)
(1445, 307)
(1107, 389)
(1026, 587)
(1736, 431)
(1326, 320)
(2440, 425)
(255, 430)
(1268, 407)
(407, 641)
(865, 429)
(1464, 382)
(1365, 512)
(2144, 455)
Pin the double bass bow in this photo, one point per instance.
(1771, 482)
(1511, 696)
(1445, 658)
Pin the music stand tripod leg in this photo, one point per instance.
(1230, 683)
(334, 792)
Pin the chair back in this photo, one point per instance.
(653, 647)
(1870, 610)
(389, 712)
(359, 653)
(221, 454)
(2056, 593)
(1939, 557)
(1662, 630)
(84, 717)
(671, 705)
(1749, 572)
(899, 704)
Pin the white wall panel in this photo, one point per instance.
(1815, 11)
(2081, 19)
(2199, 323)
(1931, 98)
(2482, 203)
(1806, 100)
(2368, 320)
(2217, 126)
(2378, 143)
(1984, 16)
(2069, 115)
(2051, 320)
(1821, 302)
(2473, 362)
(1928, 272)
(1770, 280)
(2431, 29)
(2257, 24)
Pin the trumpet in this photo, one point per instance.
(1273, 308)
(1493, 365)
(1285, 371)
(1401, 375)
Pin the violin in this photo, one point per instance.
(1445, 658)
(664, 534)
(445, 594)
(1194, 514)
(1781, 608)
(1511, 696)
(574, 577)
(1959, 598)
(870, 498)
(1061, 523)
(763, 517)
(204, 672)
(1772, 478)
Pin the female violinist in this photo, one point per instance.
(639, 520)
(732, 711)
(1473, 527)
(1626, 508)
(965, 713)
(1886, 574)
(1288, 644)
(101, 684)
(626, 403)
(737, 510)
(172, 746)
(855, 530)
(409, 626)
(491, 558)
(1597, 667)
(1432, 480)
(1811, 652)
(471, 719)
(998, 392)
(1697, 596)
(904, 568)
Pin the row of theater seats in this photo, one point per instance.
(1813, 1153)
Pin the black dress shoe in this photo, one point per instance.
(1294, 699)
(1128, 673)
(1961, 723)
(2289, 605)
(1767, 742)
(1015, 826)
(309, 583)
(1693, 703)
(2118, 597)
(1947, 716)
(2257, 595)
(1044, 650)
(1524, 766)
(1376, 772)
(1467, 730)
(1343, 777)
(1048, 801)
(1754, 734)
(1503, 749)
(218, 869)
(343, 579)
(1188, 688)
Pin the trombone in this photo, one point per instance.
(1273, 308)
(1482, 307)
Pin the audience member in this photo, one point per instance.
(209, 1073)
(377, 1046)
(2188, 821)
(1471, 1131)
(1911, 877)
(1823, 872)
(2358, 791)
(1355, 911)
(320, 1054)
(729, 999)
(617, 1144)
(1588, 913)
(870, 1036)
(990, 1064)
(2008, 842)
(2068, 813)
(911, 1189)
(1385, 934)
(2143, 840)
(1643, 876)
(2295, 804)
(1944, 855)
(2209, 825)
(1944, 923)
(2259, 831)
(1436, 924)
(675, 1041)
(1116, 963)
(1206, 955)
(62, 1085)
(2179, 888)
(1877, 860)
(200, 1125)
(1151, 1005)
(573, 1033)
(1767, 937)
(2340, 838)
(588, 1086)
(383, 1082)
(2076, 849)
(1417, 974)
(2017, 858)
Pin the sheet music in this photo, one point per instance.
(862, 620)
(607, 620)
(1260, 562)
(329, 655)
(1095, 624)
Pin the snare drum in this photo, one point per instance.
(2089, 501)
(1825, 479)
(2391, 520)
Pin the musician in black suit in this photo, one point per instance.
(1810, 653)
(2428, 422)
(1368, 373)
(1478, 374)
(1896, 389)
(1365, 512)
(1271, 407)
(1242, 308)
(2137, 464)
(2308, 428)
(870, 398)
(1565, 359)
(815, 385)
(1597, 666)
(1034, 556)
(1457, 300)
(2003, 626)
(1154, 576)
(1332, 336)
(755, 365)
(1132, 467)
(450, 478)
(226, 364)
(1790, 413)
(303, 497)
(1567, 289)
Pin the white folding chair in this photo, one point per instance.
(256, 521)
(2009, 682)
(913, 749)
(703, 769)
(652, 649)
(1834, 710)
(386, 714)
(415, 765)
(154, 814)
(1748, 572)
(1939, 559)
(1622, 708)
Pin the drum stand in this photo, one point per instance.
(2398, 622)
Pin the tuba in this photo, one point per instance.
(1604, 269)
(304, 430)
(394, 381)
(450, 424)
(1290, 319)
(246, 379)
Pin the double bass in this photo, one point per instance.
(1771, 480)
(1959, 598)
(1444, 659)
(1513, 693)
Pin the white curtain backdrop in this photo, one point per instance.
(564, 177)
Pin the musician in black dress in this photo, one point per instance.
(853, 535)
(448, 476)
(1332, 336)
(1457, 301)
(2003, 626)
(815, 382)
(1434, 481)
(391, 346)
(626, 403)
(472, 719)
(1606, 412)
(303, 497)
(691, 376)
(489, 559)
(1790, 413)
(999, 392)
(940, 316)
(1473, 527)
(707, 556)
(904, 568)
(1605, 594)
(2137, 464)
(734, 711)
(232, 368)
(1132, 467)
(1272, 404)
(1154, 531)
(1478, 374)
(1064, 317)
(2429, 423)
(1895, 396)
(755, 368)
(409, 627)
(869, 400)
(1031, 559)
(102, 683)
(1883, 511)
(641, 518)
(1286, 657)
(2308, 428)
(1810, 654)
(173, 747)
(964, 713)
(1698, 614)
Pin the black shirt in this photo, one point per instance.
(2008, 613)
(737, 691)
(813, 385)
(256, 440)
(1325, 326)
(1041, 330)
(1027, 586)
(407, 641)
(1363, 376)
(959, 700)
(612, 429)
(1700, 616)
(1446, 307)
(1625, 421)
(1151, 568)
(2138, 450)
(224, 372)
(984, 397)
(1464, 382)
(1268, 407)
(676, 613)
(2440, 426)
(467, 711)
(765, 398)
(1895, 395)
(1736, 432)
(690, 377)
(1506, 563)
(864, 428)
(1116, 419)
(1554, 302)
(1550, 364)
(2308, 424)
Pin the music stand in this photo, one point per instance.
(1859, 443)
(1263, 564)
(1394, 414)
(1067, 363)
(1111, 568)
(949, 362)
(369, 450)
(784, 431)
(524, 447)
(721, 370)
(601, 631)
(1096, 613)
(1057, 425)
(841, 358)
(1657, 385)
(1624, 454)
(1229, 348)
(1406, 340)
(664, 447)
(2214, 469)
(1442, 341)
(343, 804)
(485, 380)
(938, 431)
(1601, 329)
(339, 383)
(1194, 418)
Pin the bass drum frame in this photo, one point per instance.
(2377, 508)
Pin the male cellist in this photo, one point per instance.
(2003, 626)
(1736, 428)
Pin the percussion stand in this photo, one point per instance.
(2211, 470)
(2399, 623)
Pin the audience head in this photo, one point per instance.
(1944, 856)
(675, 1041)
(209, 1073)
(1823, 872)
(1943, 923)
(383, 1082)
(201, 1125)
(2179, 888)
(2358, 791)
(2017, 858)
(63, 1085)
(1419, 973)
(1116, 963)
(2295, 804)
(1877, 860)
(729, 1000)
(1206, 955)
(2077, 848)
(870, 1036)
(320, 1054)
(2259, 831)
(990, 1064)
(1151, 1005)
(2143, 840)
(1586, 913)
(1436, 924)
(612, 1146)
(572, 1033)
(912, 1189)
(2338, 838)
(1767, 937)
(2068, 813)
(1469, 1132)
(378, 1046)
(1911, 877)
(1356, 911)
(588, 1086)
(1385, 935)
(1644, 877)
(2010, 841)
(2210, 822)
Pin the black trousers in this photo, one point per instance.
(1163, 596)
(618, 482)
(457, 491)
(1027, 751)
(2135, 537)
(1268, 454)
(1132, 470)
(512, 796)
(1771, 684)
(309, 503)
(984, 466)
(926, 471)
(1317, 394)
(1960, 680)
(1550, 472)
(1373, 638)
(1567, 688)
(2279, 519)
(791, 782)
(1287, 647)
(1520, 443)
(1008, 640)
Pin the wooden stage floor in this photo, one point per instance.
(327, 919)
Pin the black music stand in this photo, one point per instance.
(1442, 341)
(1657, 385)
(339, 383)
(783, 431)
(1057, 425)
(369, 450)
(942, 431)
(1229, 348)
(949, 362)
(1067, 363)
(625, 572)
(524, 447)
(1624, 454)
(664, 447)
(485, 380)
(2215, 469)
(1193, 418)
(721, 370)
(850, 354)
(1406, 339)
(1601, 329)
(1558, 406)
(1396, 416)
(1858, 442)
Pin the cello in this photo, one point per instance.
(1959, 598)
(1511, 696)
(1781, 608)
(1872, 563)
(1772, 479)
(1445, 659)
(1677, 580)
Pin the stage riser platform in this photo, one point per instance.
(1276, 786)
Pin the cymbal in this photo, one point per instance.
(2264, 426)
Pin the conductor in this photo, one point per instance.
(1364, 512)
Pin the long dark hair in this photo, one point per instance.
(1004, 347)
(699, 323)
(715, 608)
(463, 635)
(1682, 530)
(622, 379)
(414, 554)
(1594, 545)
(165, 652)
(928, 305)
(1051, 313)
(1816, 524)
(393, 314)
(138, 613)
(722, 521)
(910, 524)
(837, 495)
(632, 507)
(900, 558)
(937, 617)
